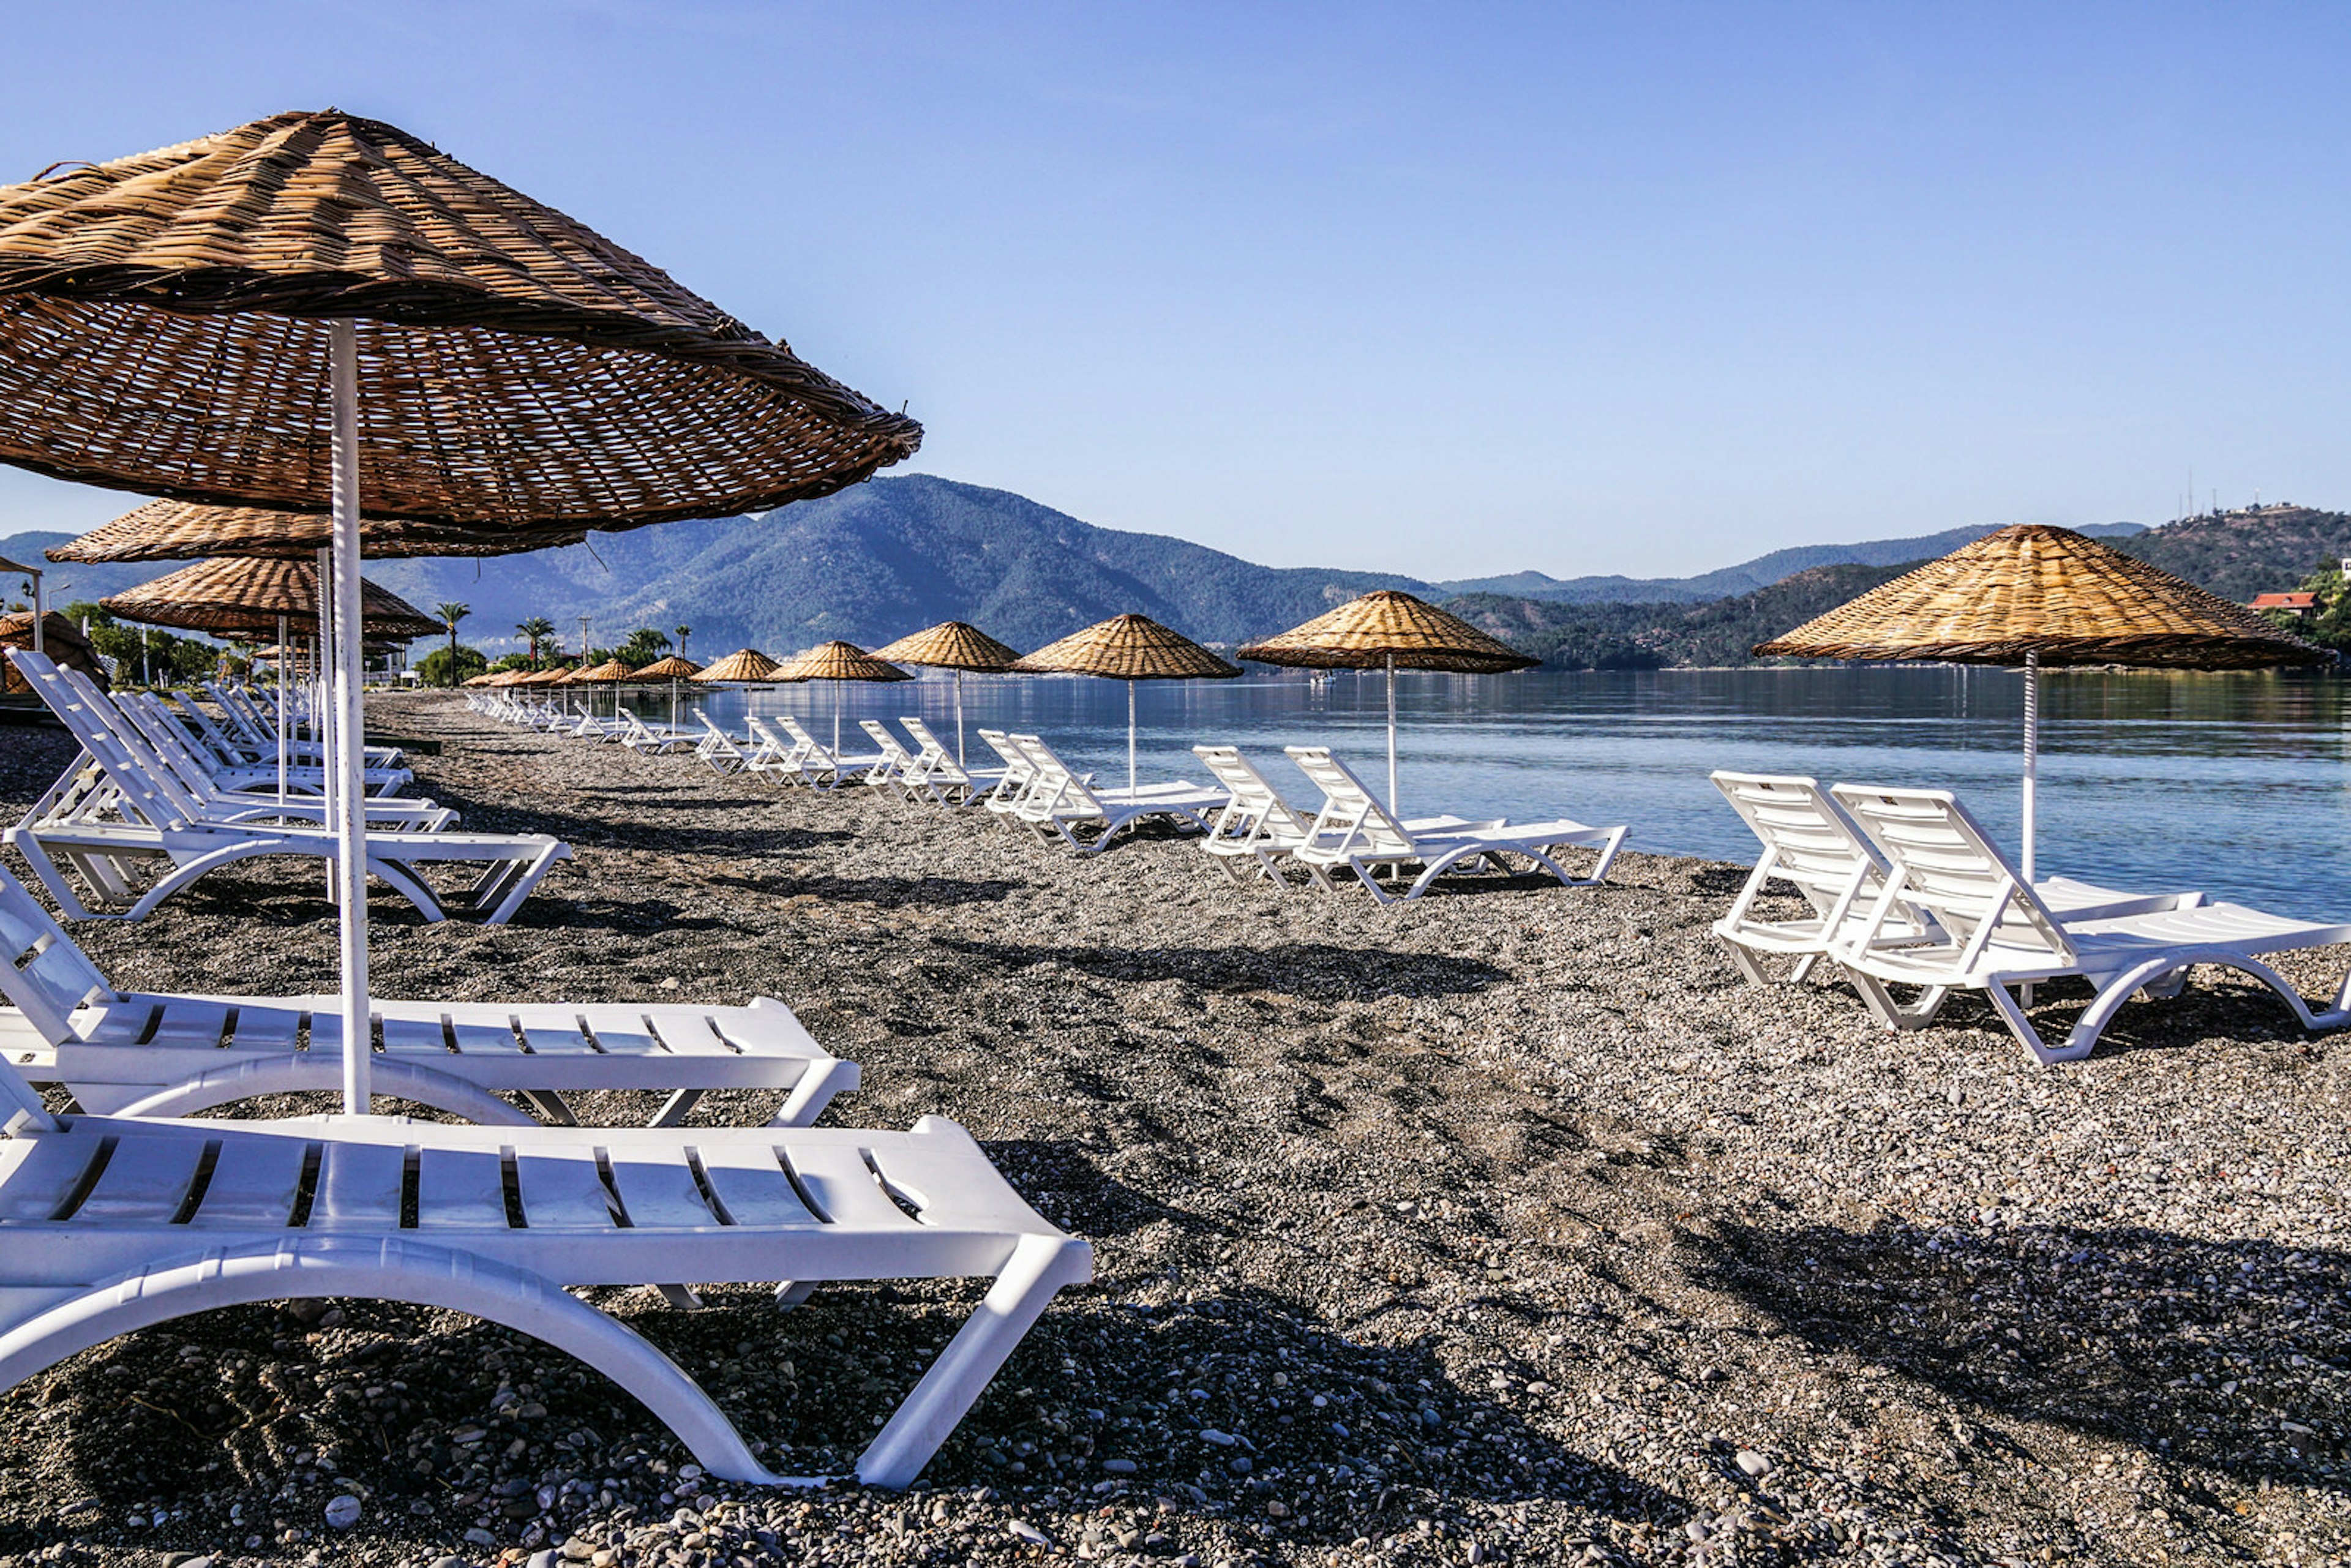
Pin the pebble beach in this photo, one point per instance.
(1508, 1227)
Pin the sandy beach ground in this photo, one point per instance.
(1507, 1228)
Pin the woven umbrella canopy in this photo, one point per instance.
(742, 664)
(837, 662)
(185, 530)
(252, 596)
(1391, 630)
(197, 323)
(951, 646)
(1127, 648)
(2036, 595)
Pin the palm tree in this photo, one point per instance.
(683, 633)
(536, 629)
(450, 613)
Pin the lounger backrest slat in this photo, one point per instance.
(1948, 866)
(1815, 844)
(1256, 808)
(1351, 817)
(1057, 787)
(42, 972)
(806, 744)
(142, 798)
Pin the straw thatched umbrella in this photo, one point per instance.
(185, 530)
(191, 323)
(232, 596)
(52, 633)
(742, 664)
(2037, 595)
(1127, 648)
(838, 662)
(672, 670)
(1390, 630)
(951, 646)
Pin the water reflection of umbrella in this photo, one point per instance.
(191, 323)
(1392, 631)
(2036, 595)
(951, 646)
(838, 662)
(1128, 648)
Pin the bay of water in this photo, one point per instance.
(2232, 783)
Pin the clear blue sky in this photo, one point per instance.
(1437, 290)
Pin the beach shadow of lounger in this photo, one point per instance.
(404, 1399)
(2230, 1355)
(1314, 971)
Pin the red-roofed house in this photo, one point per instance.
(2296, 604)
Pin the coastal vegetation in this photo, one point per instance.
(1656, 636)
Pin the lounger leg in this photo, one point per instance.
(790, 1293)
(1039, 1265)
(551, 1106)
(69, 904)
(812, 1094)
(1893, 1014)
(1745, 963)
(1805, 967)
(675, 1110)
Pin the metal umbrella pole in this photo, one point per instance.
(1130, 738)
(331, 782)
(349, 720)
(281, 706)
(2032, 751)
(1393, 810)
(958, 676)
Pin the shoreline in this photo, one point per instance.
(1579, 1241)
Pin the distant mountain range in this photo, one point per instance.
(896, 554)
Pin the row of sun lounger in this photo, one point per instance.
(116, 1214)
(1245, 826)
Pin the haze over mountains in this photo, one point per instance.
(896, 554)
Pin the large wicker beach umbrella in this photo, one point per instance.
(233, 597)
(1390, 630)
(1127, 648)
(186, 530)
(837, 662)
(2036, 595)
(951, 646)
(742, 664)
(198, 322)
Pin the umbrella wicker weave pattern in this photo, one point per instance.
(184, 530)
(2052, 593)
(249, 596)
(610, 670)
(670, 669)
(1366, 632)
(167, 324)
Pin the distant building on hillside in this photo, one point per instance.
(2295, 604)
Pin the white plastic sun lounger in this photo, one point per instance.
(1998, 933)
(253, 728)
(1354, 830)
(773, 757)
(160, 821)
(110, 1225)
(721, 751)
(162, 1055)
(944, 778)
(1258, 829)
(819, 766)
(229, 767)
(160, 743)
(1810, 843)
(637, 735)
(1059, 801)
(1018, 778)
(897, 764)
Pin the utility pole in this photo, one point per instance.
(583, 640)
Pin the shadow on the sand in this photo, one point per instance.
(1314, 971)
(885, 892)
(253, 1392)
(2131, 1333)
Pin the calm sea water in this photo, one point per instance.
(2232, 783)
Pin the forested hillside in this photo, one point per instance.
(2240, 554)
(1654, 636)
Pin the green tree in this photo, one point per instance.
(450, 614)
(2329, 622)
(683, 633)
(535, 631)
(450, 667)
(642, 646)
